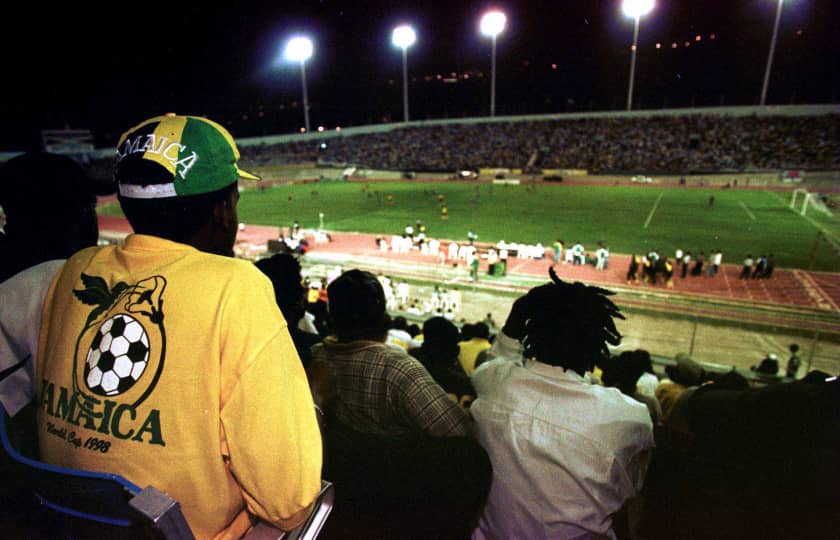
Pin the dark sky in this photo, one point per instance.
(109, 67)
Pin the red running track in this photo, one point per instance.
(803, 288)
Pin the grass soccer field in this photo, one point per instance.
(629, 219)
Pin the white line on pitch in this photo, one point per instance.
(652, 210)
(747, 210)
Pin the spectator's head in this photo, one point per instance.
(413, 330)
(283, 269)
(177, 179)
(50, 205)
(731, 380)
(440, 340)
(686, 372)
(817, 376)
(400, 323)
(357, 307)
(794, 348)
(569, 324)
(481, 330)
(467, 331)
(624, 372)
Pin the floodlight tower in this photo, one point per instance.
(404, 37)
(492, 24)
(299, 49)
(635, 9)
(770, 54)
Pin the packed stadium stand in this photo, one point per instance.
(665, 144)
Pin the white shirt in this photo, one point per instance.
(21, 301)
(400, 339)
(566, 454)
(307, 323)
(647, 384)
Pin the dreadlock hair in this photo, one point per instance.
(569, 324)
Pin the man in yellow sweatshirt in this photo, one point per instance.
(166, 360)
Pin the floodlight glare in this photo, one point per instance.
(636, 8)
(298, 49)
(492, 23)
(403, 36)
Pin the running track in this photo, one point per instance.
(795, 288)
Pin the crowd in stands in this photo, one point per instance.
(666, 144)
(454, 357)
(538, 429)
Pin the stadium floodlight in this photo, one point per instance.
(635, 9)
(492, 24)
(404, 37)
(299, 49)
(770, 54)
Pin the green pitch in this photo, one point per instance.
(629, 219)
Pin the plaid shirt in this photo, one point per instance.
(384, 391)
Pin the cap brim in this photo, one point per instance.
(245, 175)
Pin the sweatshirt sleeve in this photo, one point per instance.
(268, 418)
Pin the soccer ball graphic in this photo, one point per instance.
(117, 356)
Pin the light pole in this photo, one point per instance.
(299, 49)
(770, 54)
(635, 9)
(492, 24)
(404, 37)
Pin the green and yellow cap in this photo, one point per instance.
(189, 155)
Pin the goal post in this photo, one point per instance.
(806, 200)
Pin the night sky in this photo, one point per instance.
(108, 68)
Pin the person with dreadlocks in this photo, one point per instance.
(566, 454)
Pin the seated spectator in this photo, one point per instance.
(283, 269)
(567, 455)
(49, 204)
(413, 402)
(475, 340)
(212, 358)
(769, 365)
(399, 336)
(414, 331)
(684, 374)
(731, 380)
(753, 463)
(439, 355)
(623, 372)
(317, 306)
(50, 208)
(399, 449)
